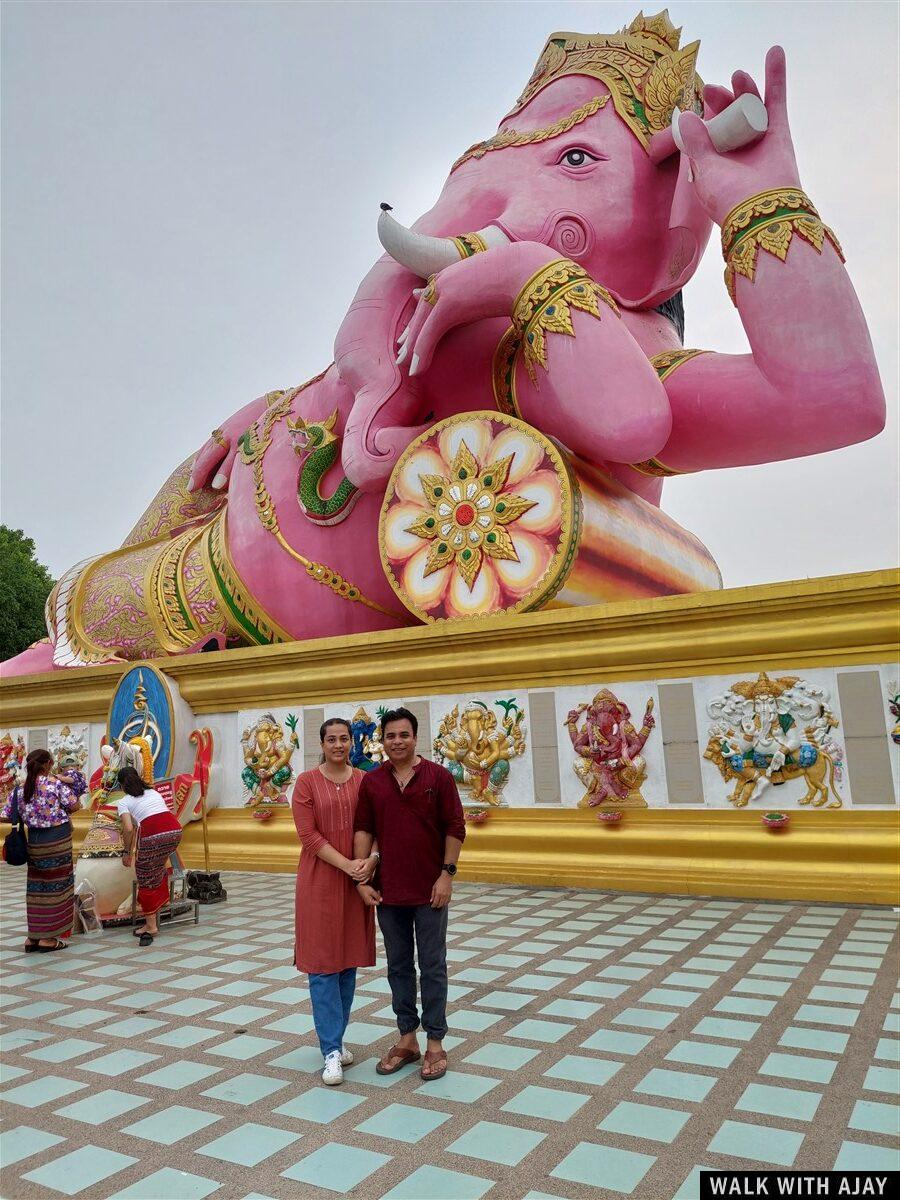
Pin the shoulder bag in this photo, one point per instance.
(15, 847)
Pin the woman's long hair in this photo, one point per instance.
(35, 763)
(130, 782)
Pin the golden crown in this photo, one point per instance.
(644, 67)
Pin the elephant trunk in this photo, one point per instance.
(385, 402)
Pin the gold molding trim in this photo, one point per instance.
(839, 620)
(701, 852)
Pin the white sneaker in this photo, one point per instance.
(346, 1057)
(333, 1074)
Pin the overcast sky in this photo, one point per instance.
(189, 201)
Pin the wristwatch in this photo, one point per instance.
(450, 868)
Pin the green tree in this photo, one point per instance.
(24, 586)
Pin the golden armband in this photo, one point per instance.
(544, 306)
(664, 364)
(769, 221)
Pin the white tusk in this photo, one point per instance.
(741, 123)
(422, 254)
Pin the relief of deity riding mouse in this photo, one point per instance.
(509, 388)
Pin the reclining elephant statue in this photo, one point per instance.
(542, 292)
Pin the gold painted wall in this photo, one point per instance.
(835, 621)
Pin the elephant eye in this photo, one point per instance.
(577, 157)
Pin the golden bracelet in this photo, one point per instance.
(469, 243)
(664, 364)
(544, 306)
(769, 221)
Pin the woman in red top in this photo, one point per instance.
(334, 930)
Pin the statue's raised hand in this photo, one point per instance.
(212, 466)
(722, 180)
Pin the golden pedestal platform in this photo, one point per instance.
(849, 854)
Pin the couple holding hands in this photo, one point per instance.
(386, 841)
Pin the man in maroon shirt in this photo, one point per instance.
(412, 807)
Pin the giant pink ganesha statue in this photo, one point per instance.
(370, 497)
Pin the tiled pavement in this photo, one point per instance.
(603, 1045)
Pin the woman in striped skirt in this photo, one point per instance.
(152, 833)
(44, 803)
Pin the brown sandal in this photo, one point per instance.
(433, 1057)
(399, 1052)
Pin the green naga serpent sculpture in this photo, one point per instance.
(320, 446)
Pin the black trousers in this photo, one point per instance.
(401, 926)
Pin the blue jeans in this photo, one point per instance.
(332, 999)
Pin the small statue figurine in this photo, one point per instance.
(477, 752)
(267, 755)
(366, 752)
(611, 767)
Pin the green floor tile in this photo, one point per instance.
(501, 1056)
(820, 1014)
(617, 1042)
(888, 1049)
(471, 1020)
(321, 1105)
(336, 1167)
(676, 1085)
(758, 1143)
(403, 1123)
(40, 1092)
(64, 1050)
(506, 1001)
(81, 1169)
(437, 1184)
(645, 1018)
(185, 1036)
(548, 1104)
(100, 1107)
(798, 1066)
(118, 1062)
(540, 1031)
(244, 1047)
(24, 1142)
(507, 1145)
(645, 1121)
(873, 1117)
(580, 1010)
(171, 1125)
(723, 1027)
(620, 1170)
(465, 1089)
(702, 1054)
(666, 995)
(179, 1075)
(247, 1088)
(883, 1079)
(799, 1037)
(779, 1102)
(576, 1068)
(860, 1156)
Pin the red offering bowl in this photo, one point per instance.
(609, 817)
(775, 820)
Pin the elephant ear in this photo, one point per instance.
(681, 246)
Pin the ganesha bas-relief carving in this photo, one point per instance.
(477, 744)
(767, 732)
(610, 766)
(544, 283)
(267, 750)
(12, 762)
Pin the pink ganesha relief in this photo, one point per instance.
(520, 349)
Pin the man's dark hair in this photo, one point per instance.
(399, 714)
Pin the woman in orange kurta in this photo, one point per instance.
(334, 930)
